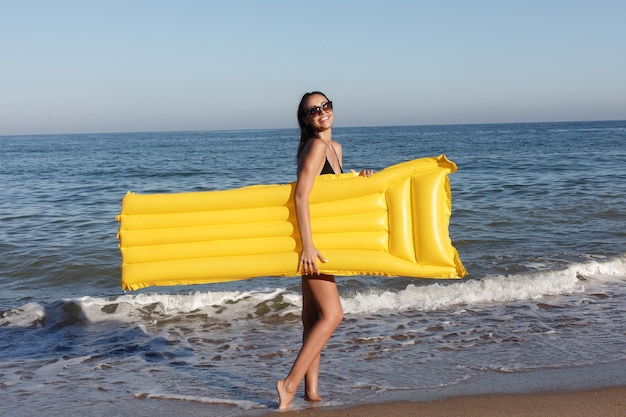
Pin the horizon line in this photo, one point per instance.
(295, 128)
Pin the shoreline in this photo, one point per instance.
(606, 402)
(580, 391)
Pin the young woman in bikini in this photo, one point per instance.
(321, 309)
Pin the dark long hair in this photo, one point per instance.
(306, 131)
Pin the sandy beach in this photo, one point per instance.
(587, 391)
(608, 402)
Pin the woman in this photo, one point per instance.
(321, 309)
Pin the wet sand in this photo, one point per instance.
(608, 402)
(586, 391)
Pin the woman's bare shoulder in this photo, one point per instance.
(313, 155)
(314, 147)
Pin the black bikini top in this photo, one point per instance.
(327, 168)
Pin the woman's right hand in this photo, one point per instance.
(308, 261)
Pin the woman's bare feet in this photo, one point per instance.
(285, 397)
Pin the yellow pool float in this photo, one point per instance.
(394, 223)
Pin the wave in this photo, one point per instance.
(226, 306)
(243, 404)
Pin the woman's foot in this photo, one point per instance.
(313, 397)
(285, 398)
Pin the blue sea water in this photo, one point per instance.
(538, 218)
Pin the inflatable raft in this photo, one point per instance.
(394, 223)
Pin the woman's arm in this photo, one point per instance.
(309, 169)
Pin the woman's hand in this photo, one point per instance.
(365, 172)
(308, 261)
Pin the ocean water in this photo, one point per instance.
(539, 216)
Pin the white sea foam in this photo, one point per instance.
(242, 404)
(23, 316)
(236, 305)
(491, 289)
(606, 271)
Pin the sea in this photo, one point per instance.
(538, 218)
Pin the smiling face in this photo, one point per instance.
(319, 113)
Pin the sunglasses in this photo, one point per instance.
(317, 110)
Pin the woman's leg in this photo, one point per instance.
(324, 294)
(310, 315)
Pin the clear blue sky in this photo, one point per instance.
(149, 65)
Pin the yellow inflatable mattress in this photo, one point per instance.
(394, 223)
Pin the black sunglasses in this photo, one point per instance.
(317, 110)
